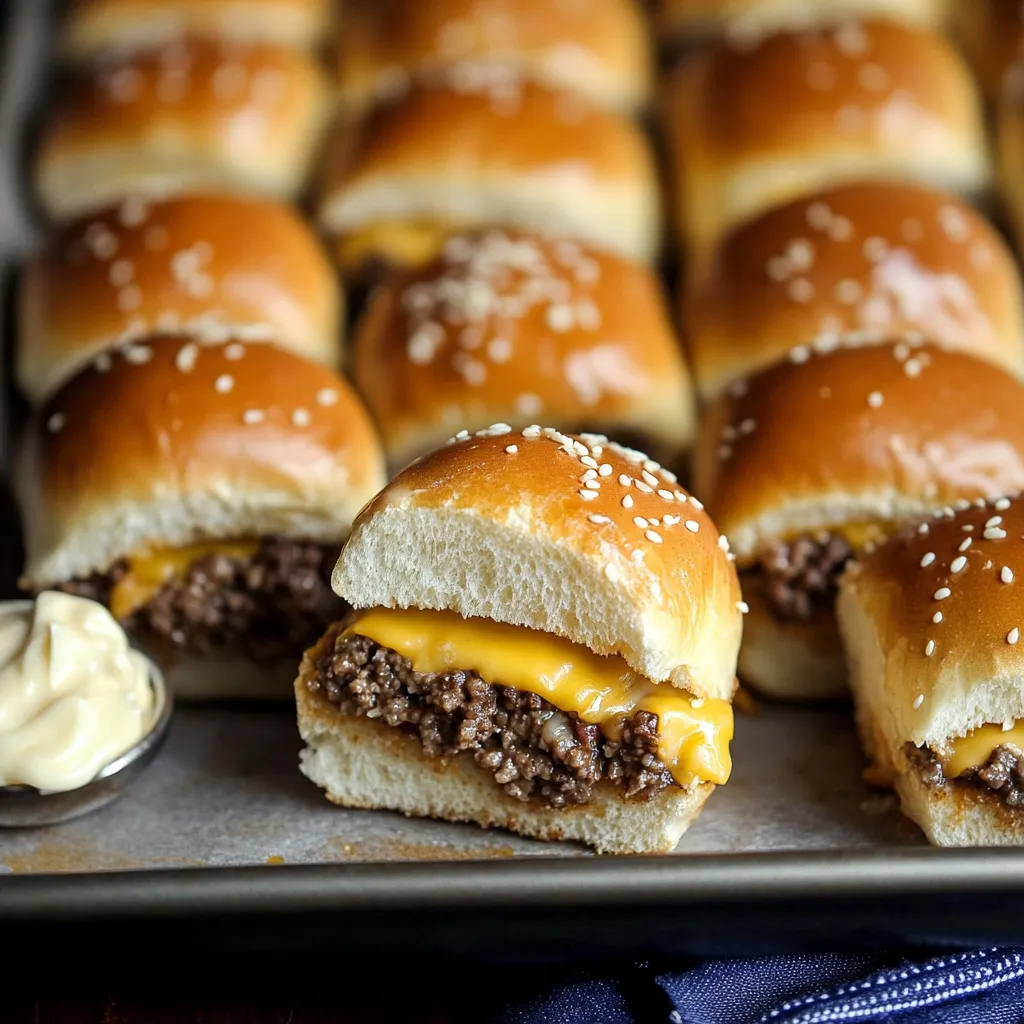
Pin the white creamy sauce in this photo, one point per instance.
(74, 696)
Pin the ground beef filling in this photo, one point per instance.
(801, 577)
(533, 750)
(268, 606)
(1002, 774)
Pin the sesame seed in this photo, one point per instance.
(875, 249)
(301, 417)
(55, 422)
(591, 474)
(937, 618)
(186, 358)
(234, 352)
(627, 501)
(605, 469)
(641, 486)
(594, 518)
(137, 354)
(927, 560)
(511, 449)
(224, 383)
(1002, 504)
(723, 542)
(626, 481)
(671, 520)
(801, 290)
(654, 521)
(327, 397)
(923, 528)
(1006, 574)
(692, 525)
(588, 460)
(967, 528)
(800, 354)
(587, 495)
(531, 431)
(958, 564)
(942, 593)
(875, 399)
(918, 701)
(251, 416)
(747, 426)
(650, 479)
(929, 648)
(561, 318)
(653, 537)
(965, 544)
(592, 484)
(742, 607)
(641, 522)
(993, 521)
(994, 534)
(1013, 636)
(848, 291)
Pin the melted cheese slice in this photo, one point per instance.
(402, 243)
(148, 572)
(693, 735)
(974, 749)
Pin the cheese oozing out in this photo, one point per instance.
(405, 244)
(693, 735)
(149, 571)
(974, 749)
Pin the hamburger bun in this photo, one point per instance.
(510, 326)
(212, 267)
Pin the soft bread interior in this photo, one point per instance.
(362, 763)
(791, 660)
(451, 559)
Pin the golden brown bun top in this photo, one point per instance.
(789, 91)
(167, 440)
(872, 261)
(215, 88)
(93, 26)
(868, 434)
(206, 266)
(526, 131)
(688, 19)
(569, 534)
(599, 47)
(966, 566)
(514, 326)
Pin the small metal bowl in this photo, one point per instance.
(28, 807)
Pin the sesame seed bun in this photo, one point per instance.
(92, 27)
(991, 33)
(754, 126)
(865, 262)
(210, 267)
(509, 326)
(681, 21)
(855, 435)
(596, 47)
(517, 155)
(921, 682)
(191, 116)
(496, 525)
(170, 443)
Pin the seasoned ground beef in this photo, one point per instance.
(801, 577)
(534, 751)
(1002, 773)
(267, 606)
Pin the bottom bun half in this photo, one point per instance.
(361, 763)
(793, 661)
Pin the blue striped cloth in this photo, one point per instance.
(978, 987)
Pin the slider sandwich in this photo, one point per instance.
(201, 493)
(598, 48)
(212, 267)
(814, 460)
(474, 150)
(865, 263)
(507, 326)
(755, 125)
(92, 27)
(687, 22)
(544, 639)
(193, 115)
(932, 626)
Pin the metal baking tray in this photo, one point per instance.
(223, 844)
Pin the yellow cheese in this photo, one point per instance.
(402, 243)
(693, 734)
(974, 749)
(148, 572)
